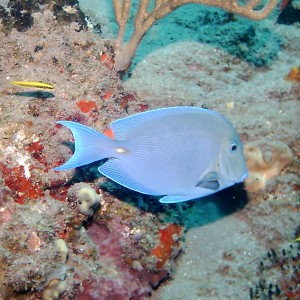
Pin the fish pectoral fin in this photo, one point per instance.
(176, 199)
(209, 181)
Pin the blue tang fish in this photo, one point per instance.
(180, 153)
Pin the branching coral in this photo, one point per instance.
(146, 17)
(262, 168)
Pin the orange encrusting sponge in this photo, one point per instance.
(168, 237)
(294, 74)
(86, 106)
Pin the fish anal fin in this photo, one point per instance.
(113, 170)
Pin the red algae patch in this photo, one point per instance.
(36, 151)
(106, 60)
(108, 95)
(168, 245)
(86, 106)
(23, 187)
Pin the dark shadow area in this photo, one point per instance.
(206, 210)
(187, 214)
(87, 173)
(236, 199)
(190, 214)
(289, 15)
(35, 94)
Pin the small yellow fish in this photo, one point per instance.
(34, 84)
(297, 239)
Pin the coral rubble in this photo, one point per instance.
(54, 250)
(278, 275)
(20, 14)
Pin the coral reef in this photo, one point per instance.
(265, 164)
(51, 251)
(32, 254)
(19, 14)
(145, 241)
(61, 237)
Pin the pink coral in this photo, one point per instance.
(120, 282)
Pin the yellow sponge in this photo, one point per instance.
(262, 167)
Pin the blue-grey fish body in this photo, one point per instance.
(181, 153)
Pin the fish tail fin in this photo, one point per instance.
(90, 146)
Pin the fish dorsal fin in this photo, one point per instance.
(209, 181)
(113, 170)
(122, 126)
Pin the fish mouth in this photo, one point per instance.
(243, 177)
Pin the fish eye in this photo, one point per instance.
(233, 147)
